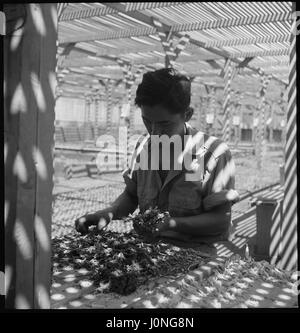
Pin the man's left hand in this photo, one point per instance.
(165, 226)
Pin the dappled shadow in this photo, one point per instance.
(29, 74)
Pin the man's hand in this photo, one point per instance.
(164, 226)
(101, 219)
(162, 229)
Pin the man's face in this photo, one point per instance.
(159, 121)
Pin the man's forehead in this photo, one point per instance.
(157, 113)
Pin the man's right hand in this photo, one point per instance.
(100, 219)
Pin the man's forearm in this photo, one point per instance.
(125, 204)
(209, 223)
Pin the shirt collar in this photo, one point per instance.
(196, 141)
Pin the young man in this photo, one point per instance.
(197, 187)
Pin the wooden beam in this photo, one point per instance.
(245, 62)
(84, 62)
(29, 138)
(103, 74)
(214, 64)
(248, 40)
(102, 11)
(143, 49)
(227, 55)
(148, 20)
(261, 53)
(103, 36)
(69, 62)
(61, 8)
(134, 6)
(115, 8)
(104, 58)
(123, 51)
(67, 48)
(273, 63)
(234, 22)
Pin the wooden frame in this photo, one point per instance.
(29, 138)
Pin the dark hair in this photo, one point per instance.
(164, 87)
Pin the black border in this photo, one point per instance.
(198, 314)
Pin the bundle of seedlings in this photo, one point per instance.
(146, 224)
(119, 262)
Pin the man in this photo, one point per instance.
(197, 187)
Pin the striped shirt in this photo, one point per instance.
(185, 192)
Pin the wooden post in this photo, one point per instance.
(96, 132)
(109, 87)
(228, 76)
(289, 252)
(240, 97)
(262, 122)
(171, 52)
(271, 138)
(205, 108)
(241, 122)
(29, 72)
(130, 119)
(87, 113)
(213, 108)
(201, 121)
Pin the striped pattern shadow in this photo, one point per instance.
(289, 226)
(245, 226)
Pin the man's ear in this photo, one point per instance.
(188, 114)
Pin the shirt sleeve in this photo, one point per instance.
(219, 180)
(130, 180)
(130, 174)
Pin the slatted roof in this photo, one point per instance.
(93, 35)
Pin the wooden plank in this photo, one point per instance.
(11, 142)
(29, 116)
(61, 8)
(176, 28)
(249, 40)
(44, 163)
(234, 22)
(103, 11)
(148, 20)
(245, 62)
(289, 239)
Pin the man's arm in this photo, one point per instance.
(209, 223)
(124, 205)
